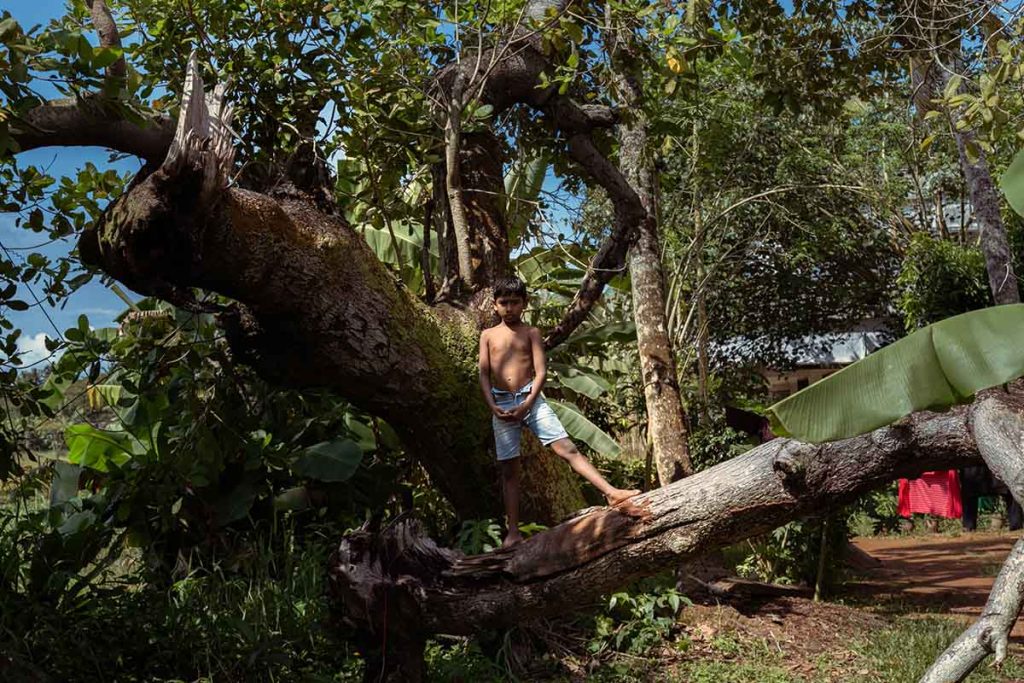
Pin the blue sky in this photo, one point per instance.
(94, 300)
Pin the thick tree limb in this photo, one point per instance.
(315, 309)
(566, 568)
(511, 77)
(610, 259)
(89, 122)
(998, 425)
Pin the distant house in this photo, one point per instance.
(819, 356)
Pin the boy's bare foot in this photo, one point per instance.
(622, 501)
(620, 496)
(511, 539)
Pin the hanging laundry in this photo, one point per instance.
(933, 493)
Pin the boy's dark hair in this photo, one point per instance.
(509, 286)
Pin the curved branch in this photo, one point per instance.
(89, 122)
(610, 259)
(998, 426)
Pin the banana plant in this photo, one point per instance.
(936, 367)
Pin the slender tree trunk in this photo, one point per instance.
(984, 199)
(666, 421)
(453, 178)
(985, 202)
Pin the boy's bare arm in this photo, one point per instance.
(484, 363)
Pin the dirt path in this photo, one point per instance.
(937, 573)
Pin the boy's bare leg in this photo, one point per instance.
(579, 462)
(510, 490)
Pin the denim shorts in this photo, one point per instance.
(541, 420)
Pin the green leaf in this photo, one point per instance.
(362, 431)
(935, 367)
(624, 331)
(105, 56)
(409, 237)
(236, 503)
(1012, 183)
(523, 184)
(96, 448)
(579, 427)
(589, 384)
(330, 461)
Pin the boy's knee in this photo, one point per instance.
(569, 451)
(510, 468)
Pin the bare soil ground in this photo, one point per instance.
(909, 576)
(935, 574)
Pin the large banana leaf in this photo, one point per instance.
(590, 384)
(1012, 183)
(409, 237)
(582, 429)
(523, 183)
(935, 367)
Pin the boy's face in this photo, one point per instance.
(510, 308)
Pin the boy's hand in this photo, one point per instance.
(520, 412)
(500, 413)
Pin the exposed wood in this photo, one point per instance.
(315, 308)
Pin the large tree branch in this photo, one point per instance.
(89, 122)
(998, 425)
(570, 565)
(433, 590)
(314, 308)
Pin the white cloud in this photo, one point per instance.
(33, 349)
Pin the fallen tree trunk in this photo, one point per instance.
(435, 590)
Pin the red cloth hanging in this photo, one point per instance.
(934, 493)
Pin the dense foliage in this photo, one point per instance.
(151, 481)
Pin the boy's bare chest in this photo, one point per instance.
(510, 344)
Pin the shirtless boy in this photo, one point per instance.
(512, 373)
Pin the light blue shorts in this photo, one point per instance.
(541, 420)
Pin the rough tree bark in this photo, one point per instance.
(995, 245)
(931, 79)
(316, 309)
(666, 420)
(999, 428)
(568, 567)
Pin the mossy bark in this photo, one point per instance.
(315, 308)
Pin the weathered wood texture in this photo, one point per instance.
(566, 568)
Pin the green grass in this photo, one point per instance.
(905, 651)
